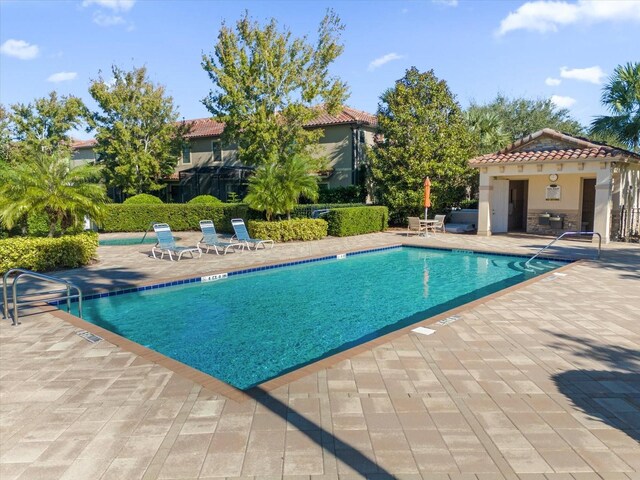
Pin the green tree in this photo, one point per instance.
(44, 126)
(488, 130)
(138, 138)
(276, 187)
(46, 184)
(5, 137)
(519, 117)
(266, 84)
(424, 134)
(621, 97)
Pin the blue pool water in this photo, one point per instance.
(247, 329)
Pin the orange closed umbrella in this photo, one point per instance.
(427, 196)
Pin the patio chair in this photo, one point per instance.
(414, 226)
(242, 234)
(167, 244)
(438, 224)
(210, 239)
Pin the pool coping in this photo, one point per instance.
(222, 388)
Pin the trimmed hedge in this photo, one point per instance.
(143, 199)
(46, 254)
(204, 200)
(344, 222)
(179, 216)
(305, 211)
(289, 230)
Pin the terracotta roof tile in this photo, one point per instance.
(207, 127)
(204, 127)
(75, 144)
(546, 155)
(583, 149)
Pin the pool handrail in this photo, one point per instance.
(21, 272)
(526, 264)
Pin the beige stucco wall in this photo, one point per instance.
(335, 147)
(82, 156)
(570, 191)
(570, 176)
(202, 155)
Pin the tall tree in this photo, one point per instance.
(5, 137)
(621, 97)
(266, 84)
(488, 130)
(424, 134)
(138, 138)
(46, 183)
(45, 125)
(518, 117)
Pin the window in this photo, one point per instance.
(216, 150)
(186, 154)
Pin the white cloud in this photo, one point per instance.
(562, 102)
(115, 5)
(447, 3)
(103, 20)
(404, 11)
(62, 77)
(547, 15)
(19, 49)
(552, 82)
(389, 57)
(590, 74)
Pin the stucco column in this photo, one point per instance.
(602, 216)
(484, 205)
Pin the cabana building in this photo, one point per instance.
(550, 182)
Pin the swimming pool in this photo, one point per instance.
(247, 329)
(112, 242)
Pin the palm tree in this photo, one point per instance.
(621, 97)
(276, 188)
(488, 129)
(47, 184)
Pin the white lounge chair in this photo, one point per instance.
(167, 244)
(210, 239)
(242, 234)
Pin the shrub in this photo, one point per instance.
(143, 199)
(357, 220)
(179, 216)
(289, 230)
(204, 200)
(38, 225)
(305, 211)
(46, 254)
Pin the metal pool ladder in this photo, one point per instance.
(19, 273)
(564, 235)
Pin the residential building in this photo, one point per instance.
(208, 166)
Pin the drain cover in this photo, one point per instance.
(88, 336)
(448, 320)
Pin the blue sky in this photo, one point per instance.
(563, 49)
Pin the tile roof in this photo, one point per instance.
(83, 143)
(207, 127)
(584, 149)
(204, 127)
(346, 115)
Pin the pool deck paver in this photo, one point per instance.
(539, 383)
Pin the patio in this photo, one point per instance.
(542, 381)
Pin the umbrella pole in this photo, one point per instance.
(426, 228)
